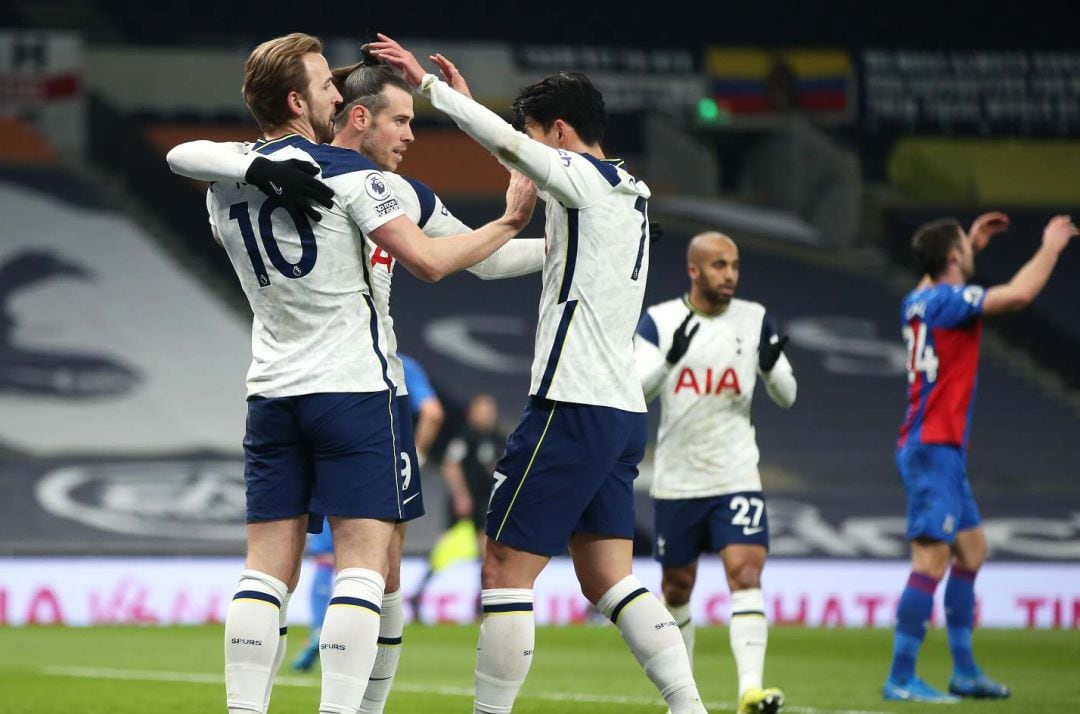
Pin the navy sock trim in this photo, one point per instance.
(356, 602)
(389, 640)
(283, 631)
(626, 601)
(748, 612)
(509, 607)
(256, 595)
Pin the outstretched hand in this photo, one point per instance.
(451, 74)
(292, 183)
(520, 199)
(1059, 231)
(390, 51)
(680, 339)
(986, 227)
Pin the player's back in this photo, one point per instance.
(593, 286)
(942, 325)
(315, 328)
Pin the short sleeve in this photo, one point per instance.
(958, 305)
(647, 329)
(417, 382)
(370, 200)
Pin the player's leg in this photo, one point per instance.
(507, 631)
(283, 626)
(739, 532)
(933, 511)
(969, 553)
(350, 632)
(355, 439)
(391, 623)
(277, 477)
(676, 584)
(253, 621)
(391, 629)
(682, 535)
(321, 547)
(530, 512)
(749, 629)
(602, 549)
(603, 566)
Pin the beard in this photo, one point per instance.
(324, 131)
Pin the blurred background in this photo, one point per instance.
(818, 134)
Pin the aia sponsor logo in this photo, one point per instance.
(708, 382)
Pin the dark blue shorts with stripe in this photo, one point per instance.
(568, 468)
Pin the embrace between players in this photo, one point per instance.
(328, 421)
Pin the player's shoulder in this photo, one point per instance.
(746, 309)
(668, 309)
(613, 172)
(425, 197)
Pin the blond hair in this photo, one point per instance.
(273, 70)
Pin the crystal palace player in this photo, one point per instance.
(707, 488)
(569, 466)
(942, 323)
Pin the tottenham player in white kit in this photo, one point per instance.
(566, 477)
(375, 120)
(322, 428)
(702, 354)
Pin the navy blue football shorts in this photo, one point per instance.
(568, 468)
(688, 527)
(333, 454)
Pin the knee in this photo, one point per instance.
(744, 573)
(677, 586)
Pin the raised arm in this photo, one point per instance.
(553, 170)
(1030, 280)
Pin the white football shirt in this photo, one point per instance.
(597, 233)
(706, 443)
(315, 326)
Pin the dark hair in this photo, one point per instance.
(569, 96)
(273, 70)
(363, 83)
(932, 243)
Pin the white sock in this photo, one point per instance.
(681, 614)
(391, 625)
(504, 651)
(283, 644)
(251, 640)
(648, 629)
(749, 636)
(348, 643)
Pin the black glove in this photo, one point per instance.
(770, 352)
(656, 232)
(291, 182)
(680, 340)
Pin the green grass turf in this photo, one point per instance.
(579, 669)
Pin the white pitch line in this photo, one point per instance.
(207, 678)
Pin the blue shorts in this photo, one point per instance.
(687, 527)
(939, 499)
(568, 468)
(333, 454)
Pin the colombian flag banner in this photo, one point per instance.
(741, 80)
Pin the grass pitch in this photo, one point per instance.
(123, 670)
